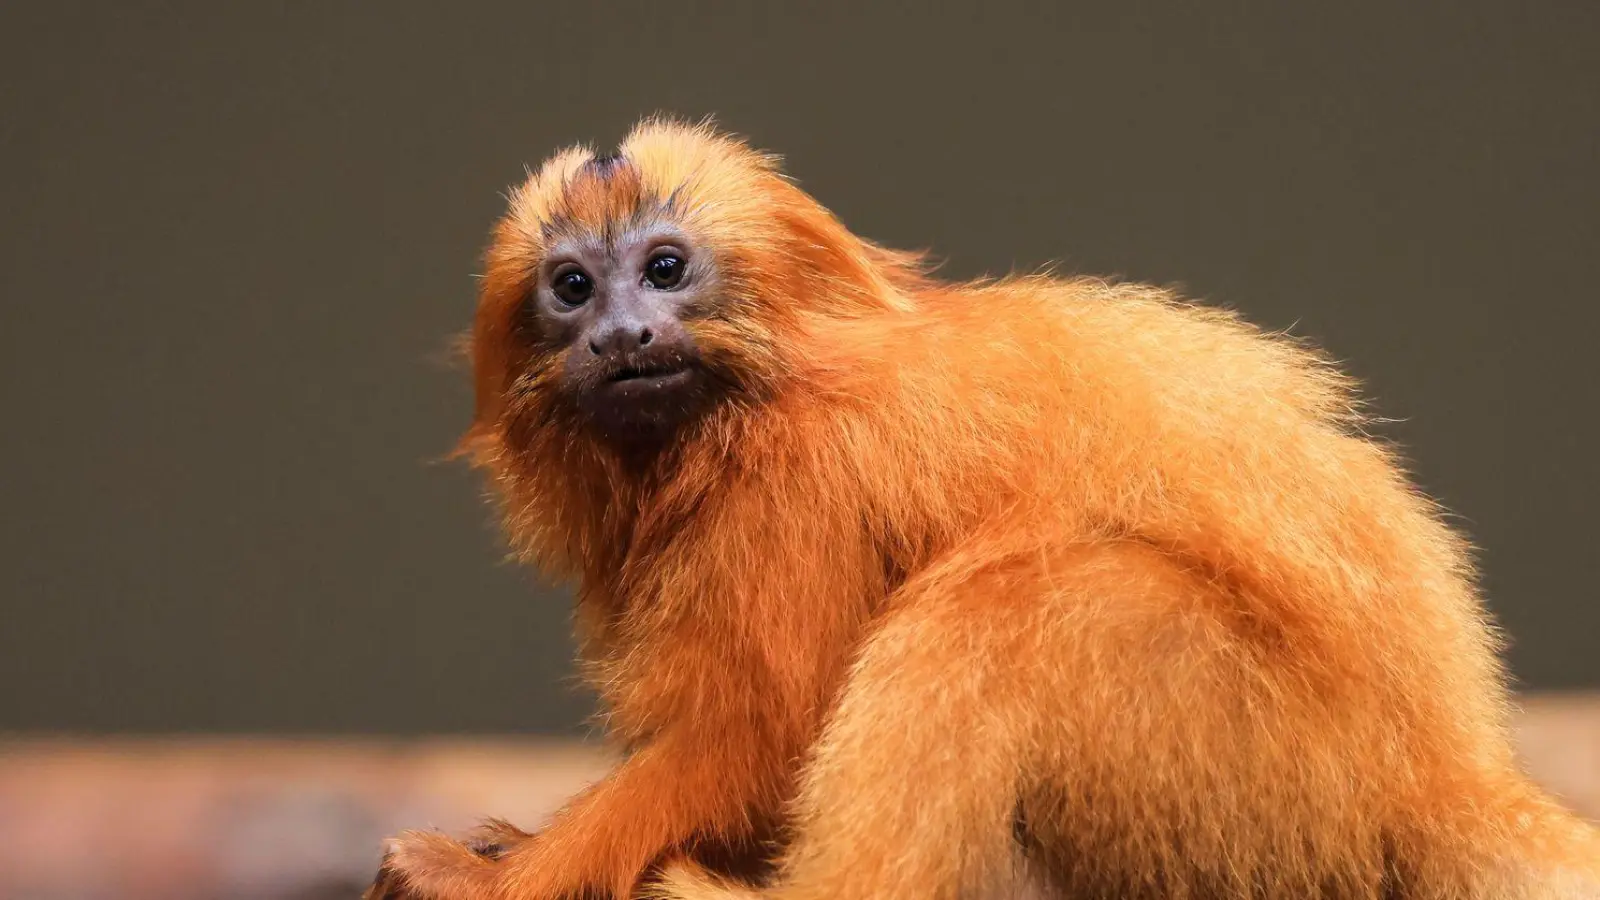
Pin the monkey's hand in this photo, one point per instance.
(406, 853)
(691, 785)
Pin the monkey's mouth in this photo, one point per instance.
(650, 373)
(647, 397)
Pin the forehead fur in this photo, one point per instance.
(662, 168)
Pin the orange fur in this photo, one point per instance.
(1044, 573)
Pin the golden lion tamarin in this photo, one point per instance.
(903, 588)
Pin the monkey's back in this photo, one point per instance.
(1085, 411)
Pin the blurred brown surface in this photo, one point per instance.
(253, 819)
(276, 819)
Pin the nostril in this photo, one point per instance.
(594, 347)
(646, 336)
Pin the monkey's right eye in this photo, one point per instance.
(572, 287)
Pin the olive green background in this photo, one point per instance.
(236, 239)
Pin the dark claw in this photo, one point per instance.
(489, 849)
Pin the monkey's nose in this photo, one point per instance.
(621, 339)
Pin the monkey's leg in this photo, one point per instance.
(913, 789)
(970, 696)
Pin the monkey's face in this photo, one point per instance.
(612, 313)
(629, 296)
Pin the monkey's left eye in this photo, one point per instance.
(664, 271)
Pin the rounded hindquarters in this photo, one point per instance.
(1180, 749)
(1117, 720)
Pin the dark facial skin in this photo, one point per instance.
(617, 309)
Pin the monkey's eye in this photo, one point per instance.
(572, 287)
(664, 271)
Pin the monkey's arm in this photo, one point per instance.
(712, 776)
(718, 680)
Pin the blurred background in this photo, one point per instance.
(249, 623)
